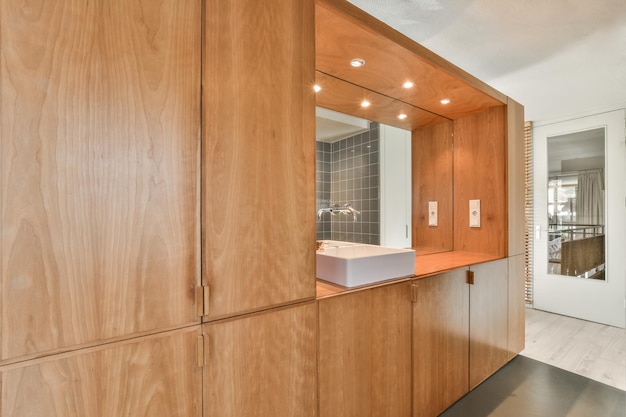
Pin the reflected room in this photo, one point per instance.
(576, 204)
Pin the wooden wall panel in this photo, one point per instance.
(432, 181)
(515, 174)
(155, 376)
(365, 353)
(258, 153)
(480, 174)
(99, 148)
(262, 365)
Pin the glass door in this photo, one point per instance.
(580, 218)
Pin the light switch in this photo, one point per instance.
(474, 213)
(432, 213)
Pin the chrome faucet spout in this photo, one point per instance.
(335, 208)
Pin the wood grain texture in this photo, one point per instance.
(432, 170)
(344, 32)
(440, 342)
(581, 255)
(262, 365)
(344, 97)
(517, 306)
(99, 149)
(488, 320)
(258, 154)
(156, 377)
(515, 176)
(365, 353)
(480, 173)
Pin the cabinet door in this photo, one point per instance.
(98, 155)
(365, 353)
(258, 154)
(440, 342)
(488, 320)
(262, 365)
(517, 307)
(153, 376)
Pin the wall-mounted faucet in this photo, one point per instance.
(336, 208)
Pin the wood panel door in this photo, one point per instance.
(488, 320)
(153, 376)
(440, 342)
(365, 353)
(262, 365)
(99, 148)
(258, 154)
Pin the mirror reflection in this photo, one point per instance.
(576, 204)
(363, 181)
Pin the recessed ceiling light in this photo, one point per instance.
(408, 84)
(365, 103)
(445, 101)
(317, 88)
(357, 62)
(402, 116)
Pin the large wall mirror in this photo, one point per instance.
(359, 59)
(576, 204)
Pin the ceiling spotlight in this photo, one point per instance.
(317, 88)
(357, 62)
(445, 101)
(402, 116)
(408, 84)
(365, 103)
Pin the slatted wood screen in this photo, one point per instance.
(528, 212)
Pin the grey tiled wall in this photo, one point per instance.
(348, 172)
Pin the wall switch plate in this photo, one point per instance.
(474, 213)
(432, 213)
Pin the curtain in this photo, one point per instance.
(590, 197)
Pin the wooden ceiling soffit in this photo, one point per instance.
(344, 97)
(344, 32)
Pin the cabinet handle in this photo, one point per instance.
(202, 350)
(470, 277)
(413, 295)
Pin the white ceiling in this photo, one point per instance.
(559, 58)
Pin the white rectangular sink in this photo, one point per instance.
(354, 264)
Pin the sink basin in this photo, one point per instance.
(354, 264)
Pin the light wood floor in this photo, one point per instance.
(593, 350)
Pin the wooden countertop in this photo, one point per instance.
(425, 265)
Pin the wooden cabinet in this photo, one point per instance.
(262, 364)
(440, 342)
(459, 334)
(488, 320)
(258, 154)
(153, 376)
(365, 353)
(99, 174)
